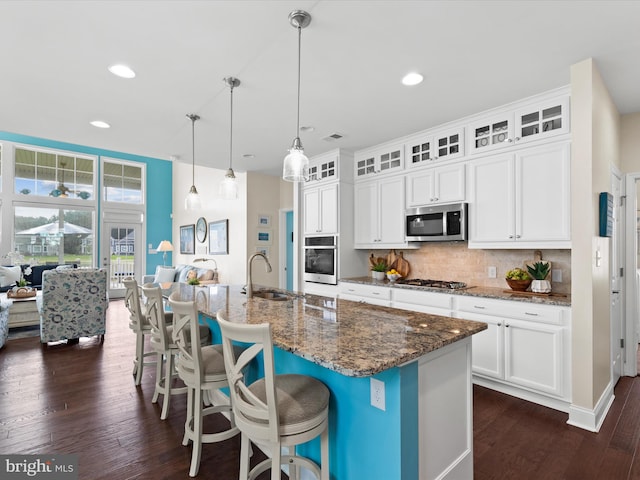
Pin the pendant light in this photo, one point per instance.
(296, 164)
(229, 185)
(192, 202)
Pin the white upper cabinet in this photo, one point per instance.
(321, 209)
(379, 213)
(521, 200)
(379, 160)
(445, 184)
(515, 127)
(425, 148)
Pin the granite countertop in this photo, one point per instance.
(485, 292)
(351, 338)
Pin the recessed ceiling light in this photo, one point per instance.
(100, 124)
(307, 129)
(122, 71)
(412, 79)
(248, 155)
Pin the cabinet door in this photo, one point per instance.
(492, 211)
(420, 187)
(533, 356)
(328, 209)
(492, 133)
(449, 185)
(419, 151)
(449, 145)
(488, 348)
(542, 120)
(366, 213)
(391, 210)
(311, 210)
(543, 202)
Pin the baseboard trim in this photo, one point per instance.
(592, 420)
(540, 399)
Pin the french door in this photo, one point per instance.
(122, 253)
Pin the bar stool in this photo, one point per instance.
(139, 324)
(202, 371)
(162, 343)
(277, 410)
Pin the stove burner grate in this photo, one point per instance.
(419, 282)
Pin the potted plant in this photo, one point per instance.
(518, 279)
(379, 270)
(539, 272)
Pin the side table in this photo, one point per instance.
(22, 312)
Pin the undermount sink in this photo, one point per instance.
(271, 295)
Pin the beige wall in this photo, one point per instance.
(264, 198)
(595, 145)
(630, 143)
(231, 267)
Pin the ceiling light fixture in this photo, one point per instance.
(122, 71)
(100, 124)
(412, 78)
(229, 186)
(192, 202)
(296, 164)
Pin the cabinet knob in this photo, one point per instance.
(499, 324)
(518, 236)
(435, 199)
(510, 236)
(517, 138)
(506, 325)
(510, 140)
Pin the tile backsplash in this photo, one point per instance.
(454, 261)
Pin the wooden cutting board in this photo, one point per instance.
(391, 258)
(402, 265)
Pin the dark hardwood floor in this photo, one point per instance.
(81, 399)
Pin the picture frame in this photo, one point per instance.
(263, 236)
(188, 239)
(219, 237)
(264, 220)
(263, 250)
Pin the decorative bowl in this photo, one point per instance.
(393, 276)
(519, 285)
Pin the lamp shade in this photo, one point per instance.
(165, 246)
(229, 186)
(296, 166)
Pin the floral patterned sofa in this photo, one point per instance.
(73, 304)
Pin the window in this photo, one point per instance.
(53, 174)
(122, 182)
(54, 235)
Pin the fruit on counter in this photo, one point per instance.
(517, 274)
(393, 271)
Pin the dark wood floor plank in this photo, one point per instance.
(82, 399)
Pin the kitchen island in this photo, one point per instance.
(415, 367)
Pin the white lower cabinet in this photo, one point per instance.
(359, 292)
(526, 347)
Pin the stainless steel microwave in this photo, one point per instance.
(437, 223)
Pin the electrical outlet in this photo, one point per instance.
(492, 272)
(556, 275)
(377, 393)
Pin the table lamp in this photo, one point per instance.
(164, 247)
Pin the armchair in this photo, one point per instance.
(73, 304)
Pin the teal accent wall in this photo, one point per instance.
(159, 193)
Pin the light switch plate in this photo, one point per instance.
(556, 275)
(491, 271)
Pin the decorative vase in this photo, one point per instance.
(541, 286)
(377, 275)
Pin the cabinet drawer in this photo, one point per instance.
(429, 299)
(368, 291)
(516, 310)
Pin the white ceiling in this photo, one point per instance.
(474, 55)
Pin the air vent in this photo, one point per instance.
(333, 137)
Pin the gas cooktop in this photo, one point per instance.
(419, 282)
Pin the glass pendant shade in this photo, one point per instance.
(192, 202)
(229, 186)
(296, 165)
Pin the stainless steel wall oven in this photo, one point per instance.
(321, 260)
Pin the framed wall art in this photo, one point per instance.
(264, 220)
(219, 237)
(188, 239)
(263, 237)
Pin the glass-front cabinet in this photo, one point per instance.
(380, 160)
(526, 124)
(424, 148)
